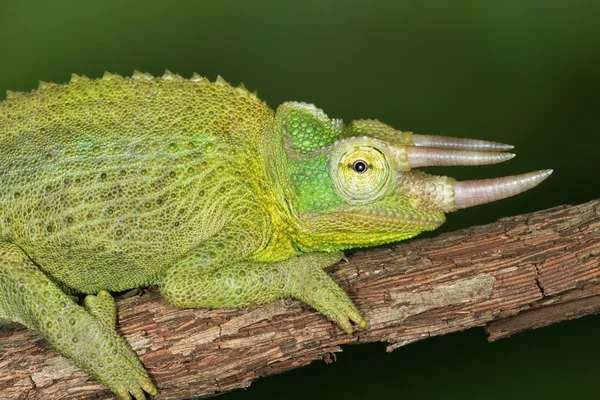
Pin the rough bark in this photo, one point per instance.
(519, 273)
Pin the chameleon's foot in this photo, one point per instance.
(314, 287)
(125, 375)
(100, 351)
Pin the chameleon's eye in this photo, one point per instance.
(360, 173)
(359, 166)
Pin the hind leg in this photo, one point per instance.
(29, 297)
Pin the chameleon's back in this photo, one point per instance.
(115, 178)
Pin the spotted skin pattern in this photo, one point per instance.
(196, 186)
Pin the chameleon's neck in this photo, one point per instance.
(279, 202)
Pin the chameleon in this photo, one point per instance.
(201, 188)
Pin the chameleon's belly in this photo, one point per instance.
(114, 215)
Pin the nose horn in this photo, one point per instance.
(473, 193)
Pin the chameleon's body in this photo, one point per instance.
(106, 183)
(198, 187)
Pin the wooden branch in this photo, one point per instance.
(519, 273)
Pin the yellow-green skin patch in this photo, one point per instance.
(106, 183)
(199, 187)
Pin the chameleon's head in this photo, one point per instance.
(355, 185)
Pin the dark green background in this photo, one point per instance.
(520, 71)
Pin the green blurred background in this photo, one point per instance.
(523, 72)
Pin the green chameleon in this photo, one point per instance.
(202, 189)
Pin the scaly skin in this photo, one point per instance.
(199, 187)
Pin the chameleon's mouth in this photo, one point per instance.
(400, 220)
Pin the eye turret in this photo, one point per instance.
(360, 172)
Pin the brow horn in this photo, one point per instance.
(427, 156)
(447, 142)
(472, 193)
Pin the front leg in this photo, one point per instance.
(247, 283)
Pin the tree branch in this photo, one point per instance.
(519, 273)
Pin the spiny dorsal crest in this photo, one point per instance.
(137, 75)
(11, 95)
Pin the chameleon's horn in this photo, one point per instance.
(426, 156)
(473, 193)
(447, 142)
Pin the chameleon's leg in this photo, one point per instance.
(29, 297)
(246, 283)
(232, 244)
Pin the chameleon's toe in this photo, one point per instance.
(356, 317)
(140, 383)
(148, 386)
(343, 322)
(123, 393)
(138, 393)
(136, 389)
(346, 315)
